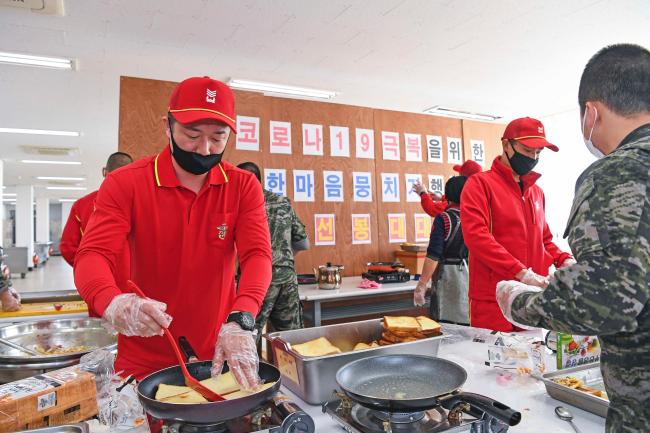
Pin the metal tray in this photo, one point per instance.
(69, 428)
(590, 374)
(313, 379)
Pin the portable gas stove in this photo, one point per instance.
(355, 418)
(279, 415)
(387, 277)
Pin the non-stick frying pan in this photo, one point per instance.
(201, 413)
(408, 383)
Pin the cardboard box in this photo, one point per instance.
(55, 398)
(413, 261)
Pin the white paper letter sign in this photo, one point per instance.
(275, 179)
(390, 187)
(454, 150)
(410, 180)
(340, 141)
(365, 143)
(362, 184)
(280, 137)
(390, 145)
(333, 190)
(361, 233)
(436, 184)
(248, 133)
(312, 139)
(413, 145)
(434, 148)
(303, 185)
(478, 151)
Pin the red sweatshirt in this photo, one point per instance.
(183, 247)
(505, 231)
(432, 207)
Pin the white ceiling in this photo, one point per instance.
(507, 57)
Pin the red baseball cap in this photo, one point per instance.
(468, 168)
(201, 98)
(530, 132)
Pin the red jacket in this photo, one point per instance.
(505, 232)
(432, 207)
(183, 248)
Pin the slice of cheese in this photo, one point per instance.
(401, 323)
(222, 384)
(362, 346)
(244, 393)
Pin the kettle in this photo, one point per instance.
(329, 276)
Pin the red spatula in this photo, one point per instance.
(189, 380)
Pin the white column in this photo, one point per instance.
(2, 206)
(25, 220)
(42, 219)
(65, 212)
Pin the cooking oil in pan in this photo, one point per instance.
(396, 388)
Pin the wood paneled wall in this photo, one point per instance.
(143, 103)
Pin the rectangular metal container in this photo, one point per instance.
(590, 374)
(314, 378)
(68, 428)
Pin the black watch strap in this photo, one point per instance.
(244, 319)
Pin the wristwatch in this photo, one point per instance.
(245, 320)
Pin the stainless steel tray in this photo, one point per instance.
(590, 374)
(69, 428)
(314, 378)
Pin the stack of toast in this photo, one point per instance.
(402, 329)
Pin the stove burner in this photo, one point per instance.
(373, 421)
(198, 428)
(398, 417)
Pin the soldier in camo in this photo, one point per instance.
(282, 304)
(606, 293)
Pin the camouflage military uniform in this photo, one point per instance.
(282, 303)
(606, 293)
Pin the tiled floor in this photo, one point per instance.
(56, 274)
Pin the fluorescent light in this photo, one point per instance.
(40, 132)
(460, 114)
(29, 60)
(9, 194)
(68, 188)
(42, 161)
(10, 200)
(280, 89)
(67, 200)
(59, 178)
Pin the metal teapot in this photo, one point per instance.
(329, 276)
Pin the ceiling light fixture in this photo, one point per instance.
(10, 200)
(59, 178)
(40, 132)
(280, 89)
(42, 161)
(41, 61)
(67, 200)
(68, 188)
(439, 110)
(9, 194)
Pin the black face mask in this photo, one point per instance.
(191, 161)
(521, 164)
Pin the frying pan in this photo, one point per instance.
(411, 383)
(201, 413)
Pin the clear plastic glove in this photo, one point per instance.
(419, 295)
(532, 279)
(132, 316)
(568, 262)
(10, 300)
(418, 187)
(506, 293)
(435, 196)
(237, 346)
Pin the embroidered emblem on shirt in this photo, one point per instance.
(223, 228)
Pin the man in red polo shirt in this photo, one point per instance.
(504, 225)
(434, 203)
(80, 213)
(186, 215)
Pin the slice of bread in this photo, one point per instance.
(361, 346)
(429, 326)
(318, 347)
(178, 394)
(222, 384)
(243, 393)
(401, 323)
